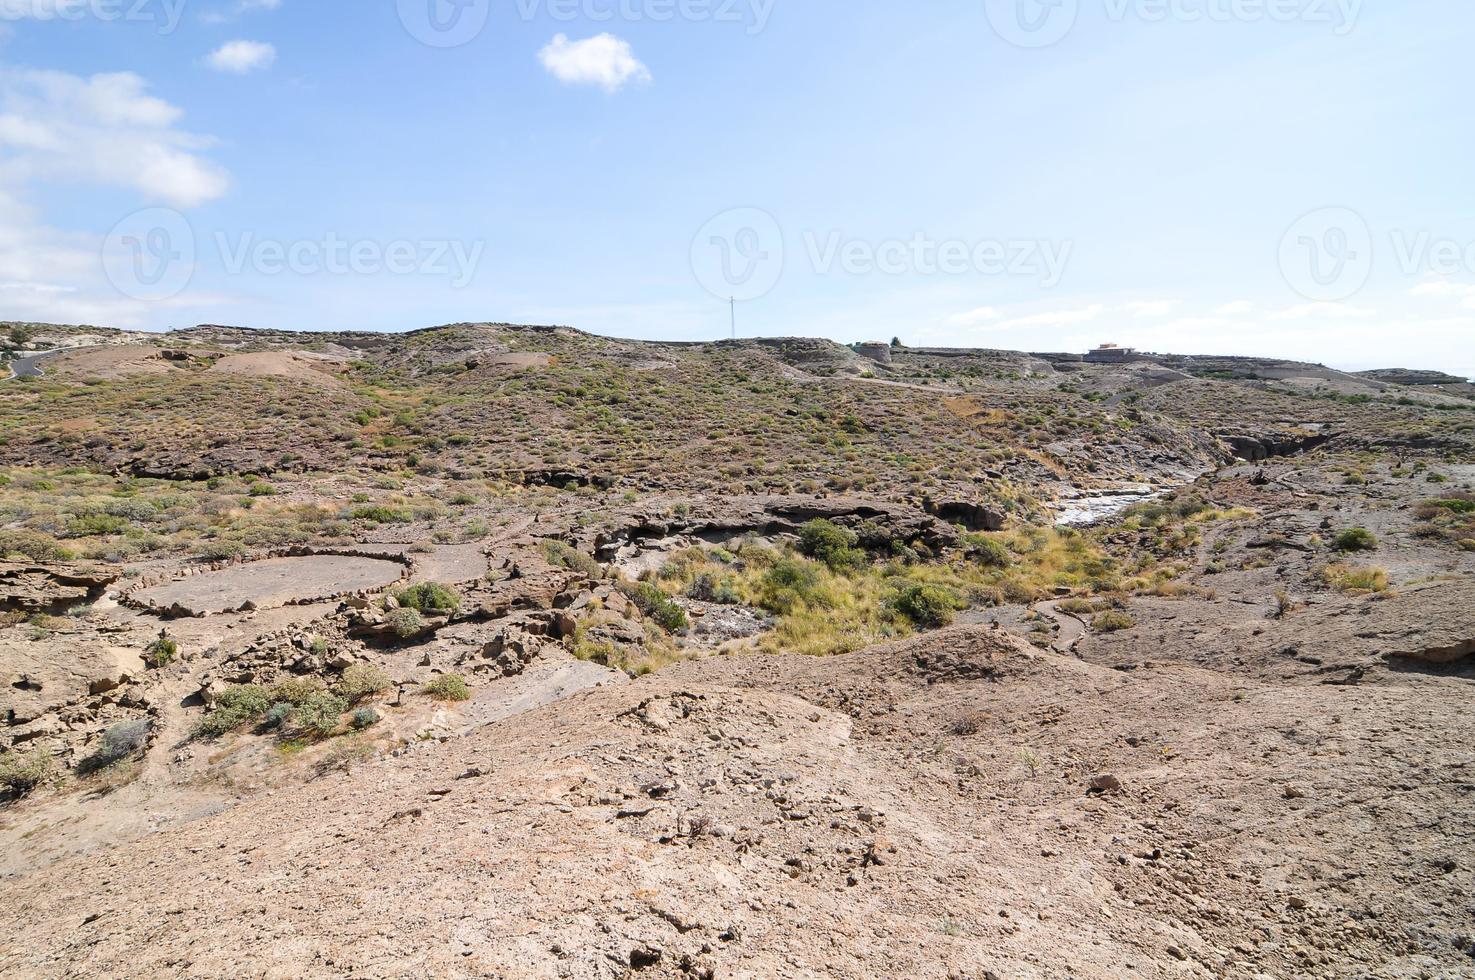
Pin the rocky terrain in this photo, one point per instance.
(506, 651)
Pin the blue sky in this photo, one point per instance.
(1287, 177)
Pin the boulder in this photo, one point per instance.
(972, 515)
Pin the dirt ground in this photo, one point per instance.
(1227, 733)
(918, 810)
(272, 582)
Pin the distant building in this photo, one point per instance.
(1111, 354)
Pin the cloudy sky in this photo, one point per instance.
(1284, 177)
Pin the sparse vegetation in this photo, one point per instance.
(988, 551)
(23, 772)
(429, 597)
(406, 623)
(118, 743)
(1356, 580)
(827, 542)
(361, 681)
(657, 606)
(448, 687)
(1113, 621)
(1355, 539)
(565, 556)
(928, 606)
(320, 713)
(161, 652)
(233, 708)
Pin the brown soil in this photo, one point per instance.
(269, 583)
(1227, 734)
(917, 810)
(108, 363)
(275, 364)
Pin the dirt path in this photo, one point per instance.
(1073, 629)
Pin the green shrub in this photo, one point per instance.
(360, 681)
(657, 606)
(1113, 621)
(34, 545)
(233, 707)
(832, 544)
(320, 713)
(429, 597)
(1355, 539)
(708, 588)
(364, 718)
(295, 691)
(927, 606)
(220, 550)
(406, 623)
(95, 525)
(1355, 580)
(571, 558)
(1083, 607)
(380, 514)
(278, 715)
(448, 687)
(21, 772)
(790, 584)
(117, 743)
(988, 552)
(161, 652)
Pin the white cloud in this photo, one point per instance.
(105, 129)
(1443, 288)
(1197, 324)
(51, 276)
(1147, 308)
(603, 60)
(240, 57)
(1055, 318)
(973, 318)
(1237, 308)
(1324, 311)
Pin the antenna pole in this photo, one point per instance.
(732, 304)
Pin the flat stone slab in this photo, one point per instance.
(271, 583)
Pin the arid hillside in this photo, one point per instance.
(504, 651)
